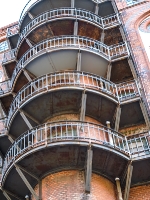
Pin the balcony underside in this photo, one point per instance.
(46, 60)
(66, 27)
(59, 101)
(13, 39)
(45, 160)
(44, 5)
(4, 144)
(49, 62)
(141, 172)
(131, 114)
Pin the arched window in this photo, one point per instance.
(144, 30)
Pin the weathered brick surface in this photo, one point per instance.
(132, 17)
(140, 193)
(69, 185)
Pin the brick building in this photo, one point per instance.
(75, 101)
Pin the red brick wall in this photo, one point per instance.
(69, 185)
(140, 193)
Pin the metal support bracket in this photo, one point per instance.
(26, 182)
(83, 107)
(26, 119)
(32, 175)
(29, 43)
(128, 181)
(30, 15)
(88, 171)
(30, 117)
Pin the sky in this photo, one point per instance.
(10, 11)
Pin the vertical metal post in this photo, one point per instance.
(88, 173)
(75, 28)
(79, 61)
(117, 121)
(109, 133)
(6, 195)
(102, 36)
(96, 9)
(72, 3)
(83, 107)
(118, 189)
(128, 181)
(109, 71)
(145, 114)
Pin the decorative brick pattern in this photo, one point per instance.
(69, 185)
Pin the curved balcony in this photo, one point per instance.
(109, 53)
(5, 87)
(69, 13)
(74, 80)
(31, 3)
(65, 133)
(9, 56)
(64, 80)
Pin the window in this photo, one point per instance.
(3, 46)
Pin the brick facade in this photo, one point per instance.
(140, 193)
(69, 185)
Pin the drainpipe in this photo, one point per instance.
(118, 189)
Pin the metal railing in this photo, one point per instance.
(112, 53)
(64, 131)
(31, 3)
(72, 78)
(9, 56)
(133, 2)
(5, 87)
(128, 90)
(13, 30)
(3, 129)
(102, 22)
(139, 145)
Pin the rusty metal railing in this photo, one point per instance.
(76, 79)
(56, 14)
(61, 132)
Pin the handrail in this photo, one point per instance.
(13, 30)
(128, 90)
(31, 3)
(102, 22)
(139, 145)
(72, 78)
(5, 87)
(3, 129)
(9, 56)
(111, 53)
(64, 131)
